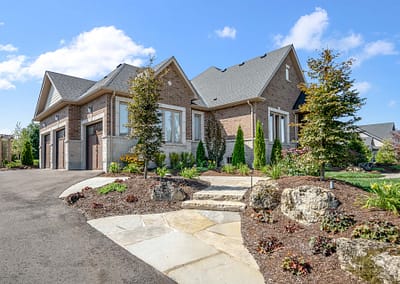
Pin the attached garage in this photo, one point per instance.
(60, 149)
(94, 151)
(46, 149)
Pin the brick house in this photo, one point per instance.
(5, 148)
(82, 121)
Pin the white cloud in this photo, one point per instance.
(226, 32)
(375, 48)
(62, 41)
(307, 31)
(362, 87)
(8, 48)
(6, 131)
(346, 43)
(392, 103)
(91, 54)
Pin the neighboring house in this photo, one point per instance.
(374, 135)
(5, 148)
(82, 121)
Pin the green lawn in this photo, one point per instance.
(361, 180)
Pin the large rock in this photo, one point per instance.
(265, 195)
(166, 191)
(372, 261)
(306, 204)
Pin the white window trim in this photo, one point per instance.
(118, 101)
(282, 112)
(183, 111)
(201, 124)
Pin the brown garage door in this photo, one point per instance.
(60, 137)
(46, 149)
(94, 146)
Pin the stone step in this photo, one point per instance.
(217, 205)
(228, 195)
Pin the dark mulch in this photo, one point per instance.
(324, 269)
(254, 173)
(95, 205)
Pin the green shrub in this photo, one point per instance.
(335, 221)
(322, 245)
(296, 265)
(299, 162)
(115, 186)
(238, 149)
(114, 168)
(244, 169)
(211, 165)
(228, 168)
(187, 160)
(174, 160)
(200, 155)
(162, 172)
(274, 171)
(385, 196)
(386, 154)
(159, 159)
(26, 154)
(131, 168)
(201, 169)
(189, 173)
(358, 152)
(259, 147)
(276, 152)
(382, 231)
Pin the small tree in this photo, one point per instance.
(33, 134)
(238, 156)
(329, 110)
(276, 152)
(215, 140)
(144, 119)
(386, 154)
(358, 151)
(259, 147)
(26, 154)
(396, 144)
(200, 154)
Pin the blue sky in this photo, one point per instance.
(90, 38)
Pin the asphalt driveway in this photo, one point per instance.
(44, 241)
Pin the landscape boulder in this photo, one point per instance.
(167, 191)
(265, 195)
(372, 261)
(307, 204)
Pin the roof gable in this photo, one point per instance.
(244, 81)
(379, 131)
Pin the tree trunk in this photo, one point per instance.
(145, 169)
(322, 172)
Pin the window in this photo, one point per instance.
(278, 125)
(172, 126)
(123, 118)
(197, 126)
(287, 73)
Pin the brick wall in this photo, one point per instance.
(74, 122)
(234, 116)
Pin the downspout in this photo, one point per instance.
(112, 112)
(251, 123)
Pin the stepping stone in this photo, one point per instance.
(218, 205)
(230, 195)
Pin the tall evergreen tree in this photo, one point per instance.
(144, 119)
(200, 154)
(276, 152)
(330, 109)
(259, 147)
(215, 140)
(26, 154)
(238, 156)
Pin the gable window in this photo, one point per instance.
(287, 73)
(197, 125)
(278, 125)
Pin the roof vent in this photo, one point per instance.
(262, 56)
(119, 65)
(241, 64)
(105, 77)
(214, 99)
(223, 70)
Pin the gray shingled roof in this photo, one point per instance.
(379, 130)
(69, 87)
(239, 82)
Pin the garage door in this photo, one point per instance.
(46, 149)
(60, 137)
(94, 146)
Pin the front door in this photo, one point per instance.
(46, 154)
(94, 160)
(60, 137)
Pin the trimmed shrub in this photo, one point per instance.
(238, 149)
(200, 155)
(276, 153)
(189, 173)
(259, 147)
(174, 160)
(114, 168)
(26, 154)
(386, 154)
(160, 159)
(228, 168)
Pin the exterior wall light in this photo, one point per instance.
(89, 109)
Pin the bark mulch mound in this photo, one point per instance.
(324, 269)
(95, 205)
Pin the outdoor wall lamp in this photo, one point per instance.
(56, 117)
(89, 109)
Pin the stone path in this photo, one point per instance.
(190, 246)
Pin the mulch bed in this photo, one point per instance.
(95, 205)
(324, 269)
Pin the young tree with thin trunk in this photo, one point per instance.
(215, 140)
(330, 109)
(144, 119)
